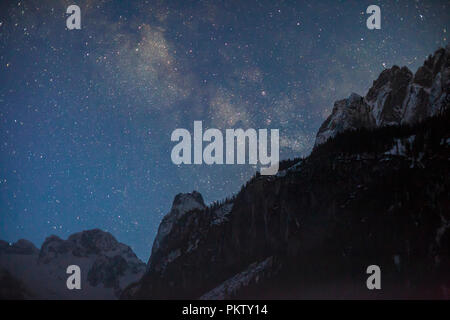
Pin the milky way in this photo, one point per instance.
(86, 115)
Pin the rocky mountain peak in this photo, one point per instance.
(183, 203)
(107, 265)
(398, 96)
(387, 94)
(94, 240)
(350, 113)
(25, 246)
(22, 246)
(188, 201)
(85, 244)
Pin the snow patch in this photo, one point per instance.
(442, 229)
(231, 286)
(399, 147)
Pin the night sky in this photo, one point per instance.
(86, 115)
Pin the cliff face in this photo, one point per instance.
(396, 97)
(352, 113)
(182, 204)
(377, 193)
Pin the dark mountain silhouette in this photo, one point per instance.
(375, 190)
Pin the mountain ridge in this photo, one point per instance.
(366, 165)
(107, 266)
(397, 96)
(374, 189)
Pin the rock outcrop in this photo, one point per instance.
(396, 97)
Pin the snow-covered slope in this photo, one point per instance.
(396, 97)
(107, 266)
(253, 274)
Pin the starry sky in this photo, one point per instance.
(86, 115)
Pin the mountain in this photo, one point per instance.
(375, 190)
(107, 266)
(396, 97)
(182, 204)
